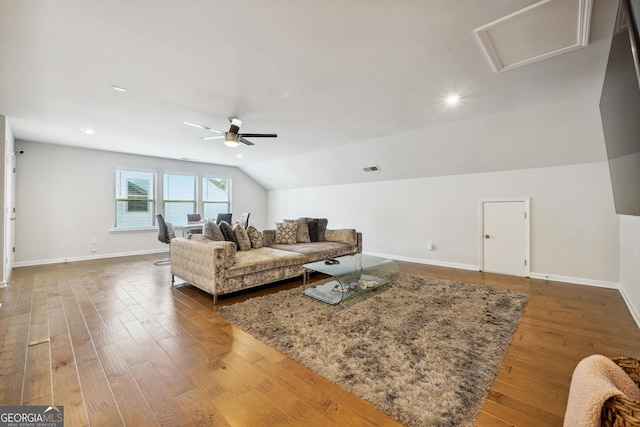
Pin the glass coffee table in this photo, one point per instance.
(353, 275)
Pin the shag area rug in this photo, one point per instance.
(425, 351)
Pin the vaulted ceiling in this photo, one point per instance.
(344, 84)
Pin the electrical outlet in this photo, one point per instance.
(430, 245)
(94, 240)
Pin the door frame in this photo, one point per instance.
(527, 225)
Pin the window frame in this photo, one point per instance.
(194, 201)
(204, 203)
(155, 199)
(120, 178)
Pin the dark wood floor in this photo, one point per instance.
(115, 344)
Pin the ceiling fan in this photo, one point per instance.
(232, 137)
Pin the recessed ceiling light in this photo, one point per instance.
(452, 99)
(88, 131)
(118, 88)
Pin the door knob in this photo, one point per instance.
(486, 236)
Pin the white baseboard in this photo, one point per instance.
(575, 280)
(533, 275)
(632, 309)
(88, 257)
(427, 261)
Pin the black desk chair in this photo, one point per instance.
(165, 234)
(193, 218)
(223, 217)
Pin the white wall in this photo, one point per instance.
(574, 229)
(65, 196)
(630, 263)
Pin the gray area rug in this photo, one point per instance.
(425, 352)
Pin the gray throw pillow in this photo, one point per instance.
(313, 229)
(212, 231)
(244, 244)
(302, 233)
(227, 232)
(255, 237)
(322, 228)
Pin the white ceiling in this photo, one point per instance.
(346, 84)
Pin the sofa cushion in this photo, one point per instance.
(255, 237)
(244, 244)
(212, 231)
(316, 251)
(227, 232)
(286, 232)
(263, 259)
(313, 229)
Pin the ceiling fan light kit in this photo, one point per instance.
(232, 138)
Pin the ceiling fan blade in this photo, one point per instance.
(258, 135)
(195, 125)
(206, 138)
(244, 141)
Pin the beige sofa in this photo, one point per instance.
(218, 268)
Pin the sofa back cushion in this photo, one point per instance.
(347, 235)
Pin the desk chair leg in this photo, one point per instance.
(162, 262)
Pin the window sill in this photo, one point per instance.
(127, 230)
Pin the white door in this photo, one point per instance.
(10, 252)
(505, 237)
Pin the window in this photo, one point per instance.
(135, 207)
(215, 196)
(179, 194)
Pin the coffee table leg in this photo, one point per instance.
(305, 277)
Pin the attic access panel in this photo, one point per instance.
(540, 31)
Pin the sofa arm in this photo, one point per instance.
(205, 251)
(348, 236)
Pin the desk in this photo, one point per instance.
(186, 229)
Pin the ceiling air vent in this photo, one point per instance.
(371, 169)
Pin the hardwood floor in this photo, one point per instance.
(115, 344)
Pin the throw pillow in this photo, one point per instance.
(244, 244)
(302, 233)
(322, 228)
(313, 229)
(286, 233)
(254, 236)
(227, 232)
(212, 231)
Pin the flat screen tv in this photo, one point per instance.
(620, 110)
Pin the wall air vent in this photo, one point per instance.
(371, 169)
